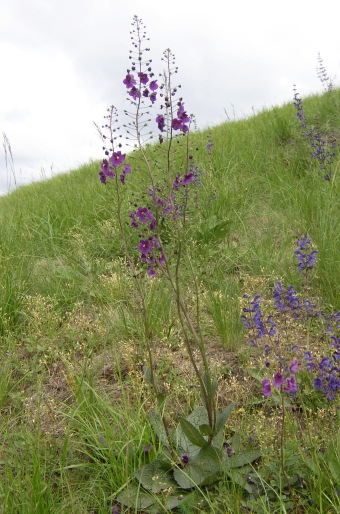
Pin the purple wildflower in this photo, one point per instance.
(135, 93)
(160, 120)
(126, 171)
(144, 79)
(278, 379)
(290, 385)
(189, 177)
(144, 246)
(153, 85)
(294, 367)
(153, 97)
(266, 387)
(129, 81)
(185, 459)
(116, 159)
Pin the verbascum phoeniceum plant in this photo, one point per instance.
(154, 235)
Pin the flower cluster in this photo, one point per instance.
(144, 87)
(305, 256)
(255, 321)
(321, 151)
(109, 168)
(327, 368)
(286, 383)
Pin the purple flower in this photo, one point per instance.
(290, 385)
(134, 223)
(147, 449)
(294, 367)
(185, 459)
(181, 113)
(129, 81)
(153, 85)
(160, 120)
(146, 216)
(189, 177)
(176, 124)
(153, 97)
(115, 509)
(266, 387)
(135, 93)
(151, 271)
(116, 159)
(177, 182)
(144, 246)
(143, 78)
(126, 171)
(278, 379)
(146, 93)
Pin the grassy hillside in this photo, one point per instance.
(72, 396)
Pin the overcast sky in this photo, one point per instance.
(63, 62)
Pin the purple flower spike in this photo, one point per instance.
(266, 387)
(278, 379)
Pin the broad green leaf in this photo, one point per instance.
(205, 429)
(134, 497)
(334, 467)
(203, 469)
(191, 432)
(222, 417)
(155, 476)
(196, 418)
(158, 427)
(240, 459)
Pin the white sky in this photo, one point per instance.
(63, 62)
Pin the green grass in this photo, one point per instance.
(72, 397)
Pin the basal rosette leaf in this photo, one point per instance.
(155, 476)
(158, 427)
(197, 418)
(240, 459)
(133, 497)
(222, 417)
(191, 432)
(203, 469)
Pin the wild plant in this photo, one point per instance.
(323, 148)
(155, 236)
(283, 344)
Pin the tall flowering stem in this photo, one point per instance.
(323, 152)
(165, 206)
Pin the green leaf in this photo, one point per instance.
(222, 417)
(203, 469)
(134, 497)
(155, 476)
(197, 417)
(334, 467)
(158, 427)
(205, 429)
(191, 432)
(240, 459)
